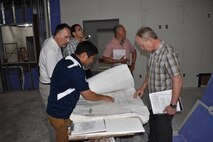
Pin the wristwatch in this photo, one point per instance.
(173, 106)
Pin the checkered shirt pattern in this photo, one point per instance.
(162, 65)
(70, 48)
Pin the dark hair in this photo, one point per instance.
(86, 46)
(72, 29)
(115, 29)
(146, 32)
(60, 27)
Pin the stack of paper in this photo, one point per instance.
(92, 126)
(117, 82)
(159, 100)
(107, 128)
(125, 116)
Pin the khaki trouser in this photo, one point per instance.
(44, 90)
(61, 128)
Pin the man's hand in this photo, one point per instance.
(139, 93)
(123, 60)
(108, 99)
(169, 110)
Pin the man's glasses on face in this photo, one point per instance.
(79, 29)
(145, 39)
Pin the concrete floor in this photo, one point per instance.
(23, 117)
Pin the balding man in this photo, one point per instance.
(49, 56)
(120, 50)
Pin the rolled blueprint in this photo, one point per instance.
(113, 79)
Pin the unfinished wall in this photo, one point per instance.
(185, 24)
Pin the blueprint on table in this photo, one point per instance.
(118, 83)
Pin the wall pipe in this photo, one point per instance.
(2, 11)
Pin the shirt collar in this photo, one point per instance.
(115, 40)
(53, 41)
(75, 40)
(76, 58)
(159, 49)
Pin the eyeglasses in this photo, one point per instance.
(79, 29)
(145, 38)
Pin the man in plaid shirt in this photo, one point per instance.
(163, 73)
(77, 34)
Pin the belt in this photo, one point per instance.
(44, 83)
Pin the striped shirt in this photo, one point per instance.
(162, 66)
(70, 48)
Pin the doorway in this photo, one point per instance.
(101, 32)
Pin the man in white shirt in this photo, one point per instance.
(49, 56)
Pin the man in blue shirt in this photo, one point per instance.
(67, 83)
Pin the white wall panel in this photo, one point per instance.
(161, 3)
(120, 4)
(198, 33)
(189, 30)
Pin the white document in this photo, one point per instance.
(118, 83)
(159, 100)
(124, 103)
(92, 126)
(125, 116)
(124, 125)
(118, 54)
(124, 106)
(114, 79)
(114, 127)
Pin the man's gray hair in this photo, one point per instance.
(146, 32)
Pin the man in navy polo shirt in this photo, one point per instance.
(67, 83)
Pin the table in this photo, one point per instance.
(124, 117)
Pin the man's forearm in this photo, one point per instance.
(176, 89)
(145, 83)
(91, 96)
(134, 56)
(109, 60)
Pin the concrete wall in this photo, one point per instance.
(185, 24)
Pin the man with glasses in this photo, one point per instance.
(77, 34)
(163, 73)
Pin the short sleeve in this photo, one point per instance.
(173, 64)
(132, 48)
(81, 82)
(108, 50)
(51, 62)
